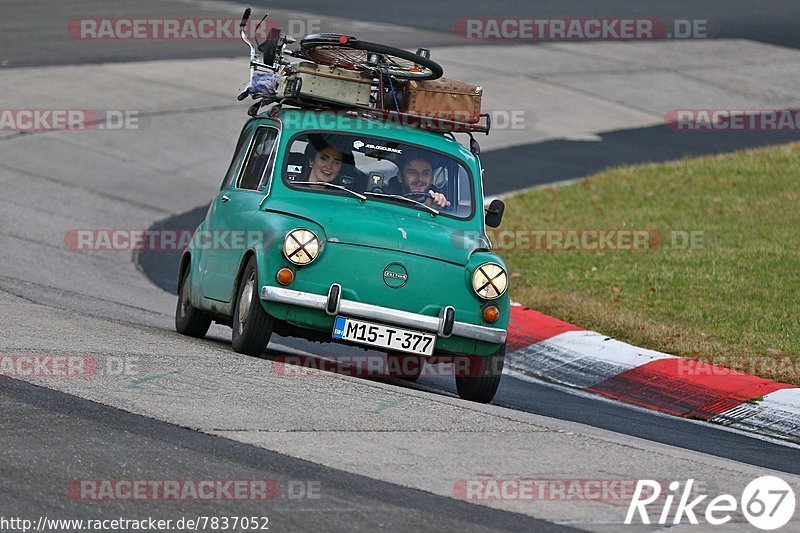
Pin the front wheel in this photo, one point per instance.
(478, 382)
(188, 319)
(252, 326)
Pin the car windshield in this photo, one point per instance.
(381, 169)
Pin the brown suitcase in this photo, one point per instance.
(310, 81)
(443, 98)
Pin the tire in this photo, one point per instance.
(328, 49)
(482, 387)
(252, 326)
(404, 366)
(189, 320)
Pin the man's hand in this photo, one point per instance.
(439, 199)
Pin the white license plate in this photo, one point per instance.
(390, 337)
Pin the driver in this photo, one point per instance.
(416, 176)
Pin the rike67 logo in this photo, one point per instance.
(767, 502)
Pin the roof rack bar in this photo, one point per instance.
(428, 123)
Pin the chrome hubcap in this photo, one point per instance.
(246, 299)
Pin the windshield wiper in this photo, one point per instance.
(361, 197)
(433, 211)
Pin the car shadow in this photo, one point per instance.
(307, 359)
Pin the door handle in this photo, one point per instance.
(225, 198)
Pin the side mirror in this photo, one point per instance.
(474, 147)
(494, 213)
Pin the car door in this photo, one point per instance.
(229, 221)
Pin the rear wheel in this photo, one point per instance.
(478, 382)
(404, 366)
(188, 319)
(252, 326)
(350, 53)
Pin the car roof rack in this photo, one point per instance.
(423, 122)
(275, 79)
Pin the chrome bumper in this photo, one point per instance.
(383, 314)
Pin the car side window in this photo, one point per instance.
(238, 157)
(259, 159)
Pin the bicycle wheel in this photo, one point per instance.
(352, 54)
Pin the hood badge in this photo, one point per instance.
(395, 275)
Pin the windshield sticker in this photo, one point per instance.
(294, 169)
(358, 145)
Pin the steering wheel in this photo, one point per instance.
(418, 194)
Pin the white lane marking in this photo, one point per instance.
(788, 399)
(581, 358)
(778, 413)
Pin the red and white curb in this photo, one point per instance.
(548, 348)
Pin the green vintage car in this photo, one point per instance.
(342, 228)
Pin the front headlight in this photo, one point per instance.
(490, 281)
(301, 246)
